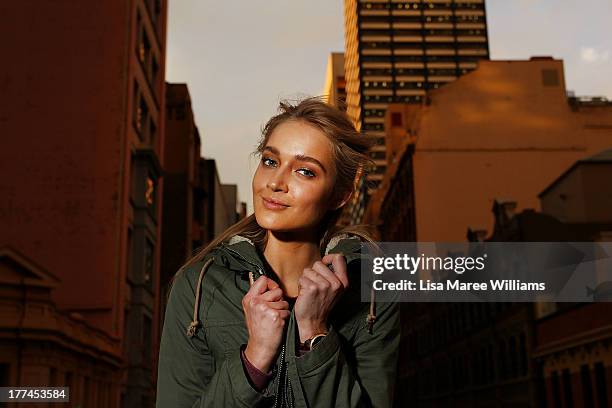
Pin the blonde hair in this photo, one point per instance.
(349, 151)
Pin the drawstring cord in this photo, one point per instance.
(195, 323)
(251, 278)
(372, 313)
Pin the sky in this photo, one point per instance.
(239, 58)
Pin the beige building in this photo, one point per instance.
(507, 129)
(395, 52)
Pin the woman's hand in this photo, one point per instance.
(265, 314)
(320, 288)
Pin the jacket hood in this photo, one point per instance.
(240, 253)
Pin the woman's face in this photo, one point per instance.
(294, 182)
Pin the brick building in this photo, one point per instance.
(81, 155)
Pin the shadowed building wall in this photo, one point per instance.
(183, 221)
(82, 143)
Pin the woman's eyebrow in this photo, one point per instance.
(299, 157)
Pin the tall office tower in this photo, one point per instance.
(398, 49)
(80, 152)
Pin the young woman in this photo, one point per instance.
(269, 314)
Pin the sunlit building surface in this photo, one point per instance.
(505, 130)
(395, 51)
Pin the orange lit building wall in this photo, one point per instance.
(505, 130)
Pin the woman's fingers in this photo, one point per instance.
(306, 283)
(272, 284)
(338, 262)
(260, 286)
(325, 273)
(284, 314)
(280, 305)
(272, 295)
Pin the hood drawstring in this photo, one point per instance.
(371, 318)
(195, 323)
(251, 278)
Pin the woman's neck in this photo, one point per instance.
(288, 256)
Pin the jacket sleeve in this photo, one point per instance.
(363, 374)
(187, 373)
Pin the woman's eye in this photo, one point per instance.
(306, 172)
(268, 162)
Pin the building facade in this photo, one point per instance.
(197, 207)
(334, 90)
(183, 219)
(81, 157)
(506, 129)
(573, 340)
(221, 202)
(395, 51)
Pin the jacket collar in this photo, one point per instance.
(243, 255)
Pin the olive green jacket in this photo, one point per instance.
(200, 364)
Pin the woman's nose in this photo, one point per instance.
(277, 182)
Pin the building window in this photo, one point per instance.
(69, 382)
(600, 382)
(556, 388)
(150, 192)
(149, 264)
(567, 388)
(587, 386)
(5, 375)
(144, 53)
(142, 115)
(152, 132)
(144, 48)
(146, 340)
(550, 77)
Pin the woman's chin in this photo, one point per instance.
(272, 222)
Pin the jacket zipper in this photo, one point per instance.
(283, 372)
(238, 254)
(280, 376)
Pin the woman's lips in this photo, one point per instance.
(273, 204)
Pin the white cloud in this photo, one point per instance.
(593, 55)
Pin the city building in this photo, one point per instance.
(507, 129)
(221, 202)
(183, 223)
(334, 89)
(395, 51)
(524, 354)
(197, 207)
(81, 156)
(573, 340)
